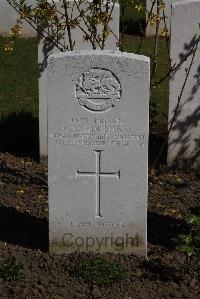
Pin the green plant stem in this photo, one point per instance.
(107, 22)
(67, 25)
(42, 33)
(155, 55)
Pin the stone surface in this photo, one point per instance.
(151, 30)
(8, 17)
(184, 140)
(98, 151)
(43, 53)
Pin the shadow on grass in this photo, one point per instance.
(23, 229)
(19, 135)
(163, 229)
(132, 27)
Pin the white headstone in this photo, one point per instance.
(8, 18)
(44, 51)
(151, 29)
(184, 140)
(98, 151)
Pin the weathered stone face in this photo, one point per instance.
(79, 44)
(98, 144)
(184, 139)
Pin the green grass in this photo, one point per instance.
(11, 269)
(134, 20)
(18, 78)
(131, 13)
(99, 271)
(19, 73)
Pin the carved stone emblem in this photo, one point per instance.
(98, 90)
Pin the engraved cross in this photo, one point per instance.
(98, 175)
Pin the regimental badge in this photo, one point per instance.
(98, 90)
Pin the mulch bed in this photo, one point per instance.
(173, 194)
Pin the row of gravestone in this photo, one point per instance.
(184, 137)
(8, 17)
(97, 104)
(98, 128)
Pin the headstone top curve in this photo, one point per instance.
(174, 4)
(99, 53)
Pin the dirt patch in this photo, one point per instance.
(24, 234)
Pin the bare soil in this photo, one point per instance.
(173, 194)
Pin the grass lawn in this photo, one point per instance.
(134, 20)
(18, 76)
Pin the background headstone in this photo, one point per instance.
(8, 17)
(151, 30)
(184, 140)
(45, 50)
(98, 105)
